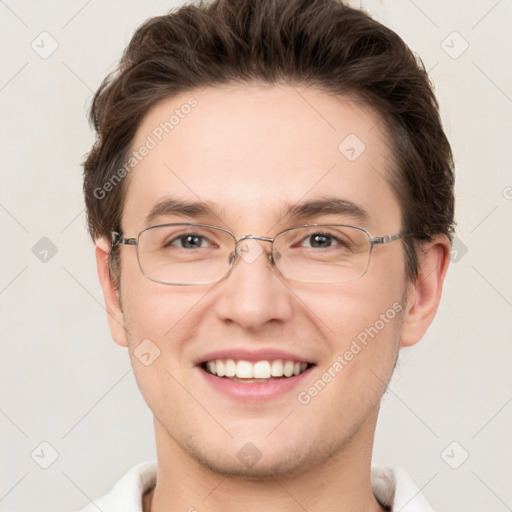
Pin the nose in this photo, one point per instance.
(253, 294)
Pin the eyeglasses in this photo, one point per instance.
(200, 254)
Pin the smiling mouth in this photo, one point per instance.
(258, 371)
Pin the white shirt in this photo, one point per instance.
(391, 486)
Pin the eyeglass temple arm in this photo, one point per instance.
(118, 238)
(387, 239)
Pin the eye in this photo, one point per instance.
(321, 240)
(188, 241)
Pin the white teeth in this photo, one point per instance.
(258, 370)
(221, 367)
(288, 369)
(244, 370)
(261, 370)
(276, 370)
(230, 368)
(212, 367)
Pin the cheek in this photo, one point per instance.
(159, 386)
(366, 336)
(375, 317)
(345, 311)
(161, 321)
(363, 346)
(361, 322)
(154, 310)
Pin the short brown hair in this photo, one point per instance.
(319, 43)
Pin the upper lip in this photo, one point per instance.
(242, 354)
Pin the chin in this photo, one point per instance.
(262, 469)
(263, 461)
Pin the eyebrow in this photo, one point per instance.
(173, 206)
(298, 211)
(327, 206)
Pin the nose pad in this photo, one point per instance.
(274, 256)
(249, 250)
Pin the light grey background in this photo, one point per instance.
(64, 382)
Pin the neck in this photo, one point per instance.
(341, 482)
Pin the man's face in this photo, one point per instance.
(250, 153)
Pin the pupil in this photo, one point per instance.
(191, 241)
(319, 241)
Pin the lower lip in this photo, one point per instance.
(254, 390)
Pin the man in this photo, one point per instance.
(271, 197)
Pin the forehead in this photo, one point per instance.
(249, 151)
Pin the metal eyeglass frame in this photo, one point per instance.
(118, 238)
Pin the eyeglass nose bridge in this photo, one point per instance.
(235, 254)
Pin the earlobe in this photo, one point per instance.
(112, 304)
(425, 293)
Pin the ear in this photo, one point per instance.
(114, 312)
(424, 293)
